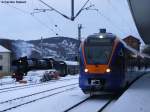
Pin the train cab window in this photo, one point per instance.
(98, 54)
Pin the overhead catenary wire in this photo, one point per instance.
(111, 22)
(35, 18)
(105, 17)
(81, 9)
(119, 14)
(51, 20)
(23, 11)
(41, 10)
(44, 24)
(72, 18)
(54, 24)
(54, 9)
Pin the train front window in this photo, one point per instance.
(97, 54)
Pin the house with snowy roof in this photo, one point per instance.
(132, 42)
(4, 61)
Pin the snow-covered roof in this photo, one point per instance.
(71, 62)
(3, 49)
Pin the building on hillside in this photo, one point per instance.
(4, 61)
(132, 42)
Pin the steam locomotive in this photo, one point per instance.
(22, 65)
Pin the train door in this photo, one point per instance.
(121, 62)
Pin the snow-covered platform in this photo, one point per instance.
(135, 99)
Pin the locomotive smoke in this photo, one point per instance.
(23, 49)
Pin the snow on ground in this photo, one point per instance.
(92, 105)
(6, 80)
(57, 103)
(71, 62)
(135, 99)
(38, 106)
(33, 77)
(22, 92)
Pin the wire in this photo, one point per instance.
(51, 20)
(119, 15)
(110, 21)
(56, 26)
(53, 23)
(55, 10)
(105, 17)
(45, 10)
(28, 13)
(42, 23)
(82, 8)
(23, 11)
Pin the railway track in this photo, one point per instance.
(101, 104)
(96, 104)
(3, 90)
(7, 83)
(23, 100)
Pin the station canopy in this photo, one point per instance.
(140, 10)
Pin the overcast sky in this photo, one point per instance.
(16, 21)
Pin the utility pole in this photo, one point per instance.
(79, 39)
(79, 31)
(73, 14)
(72, 10)
(41, 43)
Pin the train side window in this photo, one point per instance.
(76, 58)
(1, 67)
(80, 60)
(121, 53)
(1, 57)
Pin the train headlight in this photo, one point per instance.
(108, 70)
(101, 36)
(86, 70)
